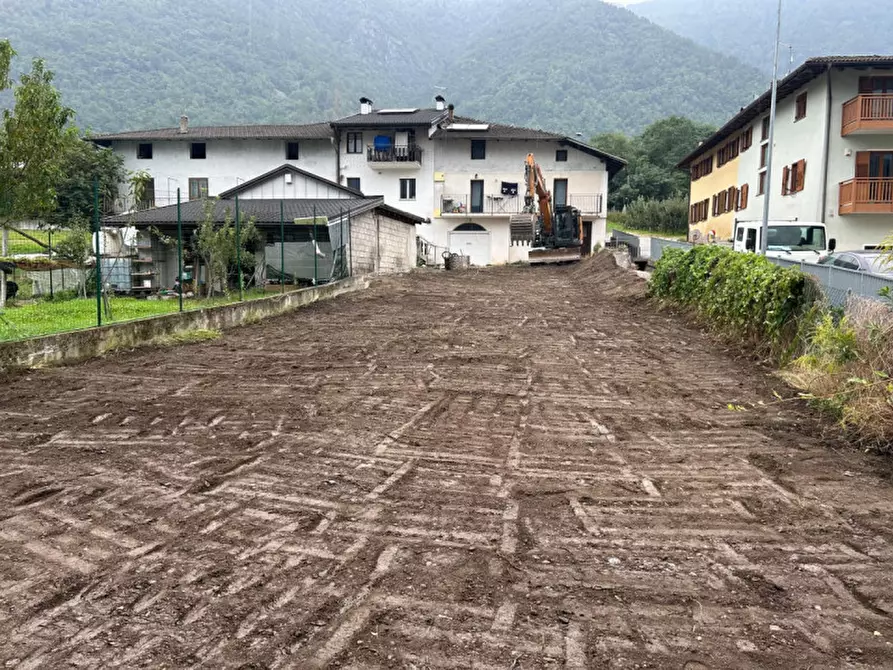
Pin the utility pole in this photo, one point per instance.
(764, 233)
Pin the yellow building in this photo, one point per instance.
(716, 191)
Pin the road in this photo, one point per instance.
(508, 468)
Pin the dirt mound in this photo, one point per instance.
(601, 270)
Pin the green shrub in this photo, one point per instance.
(744, 296)
(659, 216)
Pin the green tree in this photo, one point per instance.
(76, 246)
(651, 172)
(215, 244)
(32, 139)
(82, 162)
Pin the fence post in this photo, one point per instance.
(179, 250)
(315, 260)
(349, 246)
(98, 269)
(239, 248)
(282, 246)
(50, 257)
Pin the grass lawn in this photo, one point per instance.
(43, 318)
(18, 245)
(646, 233)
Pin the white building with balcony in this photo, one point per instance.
(464, 176)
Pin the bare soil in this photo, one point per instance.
(506, 468)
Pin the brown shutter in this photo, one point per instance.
(801, 176)
(785, 178)
(863, 164)
(745, 192)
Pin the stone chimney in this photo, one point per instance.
(365, 106)
(440, 103)
(184, 124)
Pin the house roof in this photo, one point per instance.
(281, 170)
(266, 211)
(391, 119)
(308, 131)
(804, 74)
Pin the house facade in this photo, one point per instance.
(462, 176)
(832, 158)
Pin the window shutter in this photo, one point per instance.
(863, 164)
(801, 176)
(785, 178)
(745, 192)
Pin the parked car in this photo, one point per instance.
(863, 261)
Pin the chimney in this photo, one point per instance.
(184, 124)
(365, 106)
(440, 103)
(452, 109)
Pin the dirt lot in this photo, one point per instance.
(512, 468)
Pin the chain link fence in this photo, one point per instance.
(58, 280)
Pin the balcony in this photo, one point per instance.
(496, 204)
(866, 114)
(866, 196)
(395, 156)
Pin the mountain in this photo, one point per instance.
(745, 29)
(572, 65)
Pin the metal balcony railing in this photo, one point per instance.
(409, 153)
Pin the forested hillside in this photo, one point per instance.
(572, 65)
(745, 29)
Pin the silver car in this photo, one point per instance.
(873, 261)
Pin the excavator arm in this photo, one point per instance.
(536, 190)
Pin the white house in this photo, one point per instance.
(832, 159)
(462, 176)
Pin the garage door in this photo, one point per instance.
(476, 245)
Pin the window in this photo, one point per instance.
(764, 155)
(477, 196)
(846, 261)
(559, 192)
(793, 178)
(354, 183)
(800, 112)
(874, 164)
(144, 151)
(728, 152)
(407, 189)
(198, 150)
(878, 85)
(762, 188)
(292, 151)
(747, 139)
(699, 211)
(751, 244)
(561, 155)
(148, 199)
(478, 150)
(702, 168)
(739, 237)
(743, 194)
(198, 188)
(354, 143)
(765, 135)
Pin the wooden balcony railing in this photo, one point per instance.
(866, 196)
(868, 113)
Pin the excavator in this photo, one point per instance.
(554, 233)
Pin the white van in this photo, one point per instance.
(793, 240)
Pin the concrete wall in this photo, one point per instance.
(82, 344)
(228, 163)
(381, 244)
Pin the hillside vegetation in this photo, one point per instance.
(572, 65)
(745, 29)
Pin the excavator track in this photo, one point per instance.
(542, 255)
